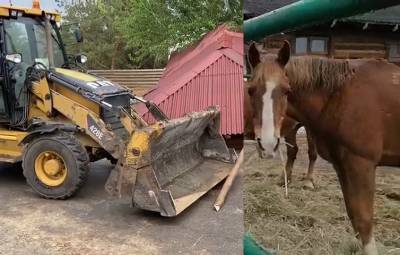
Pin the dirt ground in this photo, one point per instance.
(93, 223)
(313, 221)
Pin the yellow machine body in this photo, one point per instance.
(163, 167)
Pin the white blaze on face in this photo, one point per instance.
(268, 140)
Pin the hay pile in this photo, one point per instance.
(314, 222)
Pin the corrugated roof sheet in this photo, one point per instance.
(208, 73)
(254, 8)
(388, 16)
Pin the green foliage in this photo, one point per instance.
(142, 33)
(103, 43)
(157, 27)
(59, 3)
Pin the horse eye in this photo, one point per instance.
(252, 90)
(286, 90)
(283, 91)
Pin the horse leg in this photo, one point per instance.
(292, 149)
(312, 157)
(357, 179)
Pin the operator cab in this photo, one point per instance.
(31, 49)
(24, 46)
(26, 37)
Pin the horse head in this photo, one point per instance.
(268, 91)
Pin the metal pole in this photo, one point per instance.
(49, 39)
(308, 12)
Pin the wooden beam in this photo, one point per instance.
(359, 53)
(228, 183)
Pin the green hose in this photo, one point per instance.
(307, 12)
(251, 247)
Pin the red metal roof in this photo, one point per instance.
(208, 73)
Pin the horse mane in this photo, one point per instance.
(309, 73)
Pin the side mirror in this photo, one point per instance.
(78, 35)
(15, 58)
(81, 58)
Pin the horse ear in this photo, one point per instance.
(284, 54)
(253, 56)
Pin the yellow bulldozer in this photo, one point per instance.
(56, 119)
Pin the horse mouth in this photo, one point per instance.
(276, 147)
(263, 153)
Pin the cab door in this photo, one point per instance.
(18, 34)
(4, 81)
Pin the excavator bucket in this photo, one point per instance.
(169, 165)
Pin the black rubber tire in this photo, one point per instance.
(74, 156)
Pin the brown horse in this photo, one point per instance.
(289, 129)
(352, 108)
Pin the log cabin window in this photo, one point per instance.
(301, 45)
(394, 52)
(311, 45)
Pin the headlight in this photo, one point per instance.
(14, 13)
(81, 59)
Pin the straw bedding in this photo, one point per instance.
(314, 221)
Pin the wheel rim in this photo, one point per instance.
(50, 168)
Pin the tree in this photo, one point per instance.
(103, 43)
(157, 27)
(143, 33)
(59, 3)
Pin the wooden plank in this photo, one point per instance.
(359, 53)
(130, 74)
(140, 91)
(129, 70)
(140, 81)
(138, 84)
(359, 46)
(145, 79)
(219, 202)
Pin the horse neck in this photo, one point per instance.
(307, 106)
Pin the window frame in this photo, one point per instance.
(295, 46)
(393, 55)
(309, 50)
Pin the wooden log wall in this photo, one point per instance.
(341, 44)
(361, 46)
(138, 80)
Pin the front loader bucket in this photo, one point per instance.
(171, 164)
